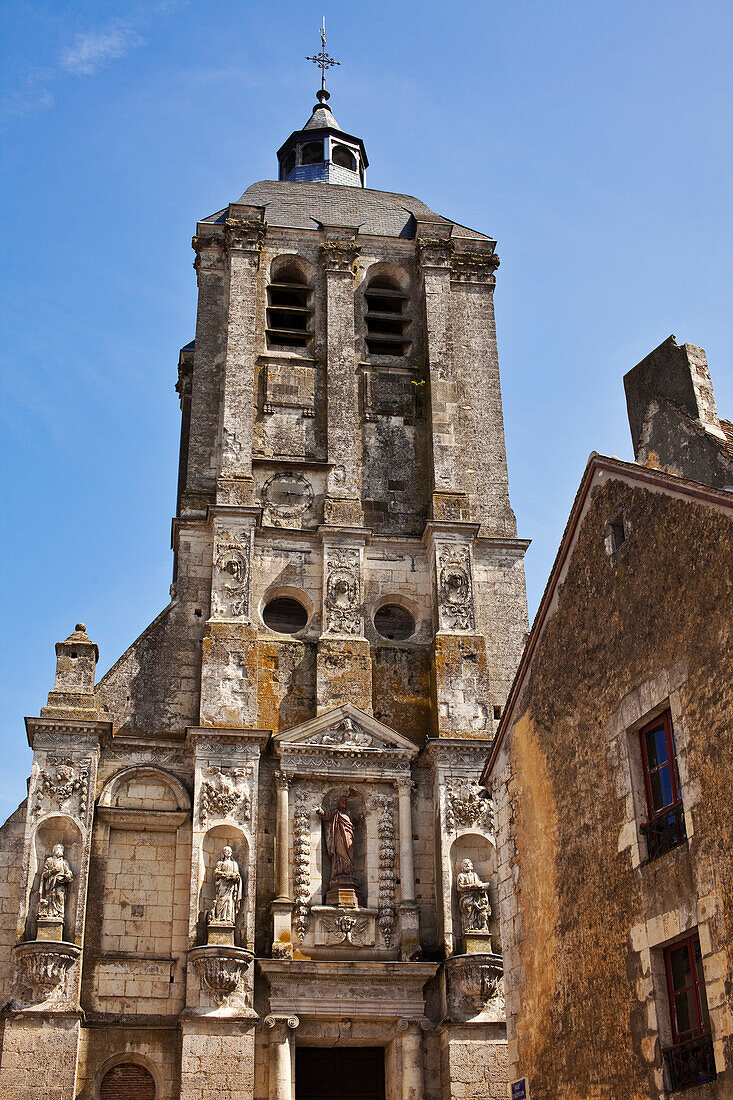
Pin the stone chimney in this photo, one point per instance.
(673, 417)
(73, 690)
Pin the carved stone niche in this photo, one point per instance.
(42, 965)
(475, 988)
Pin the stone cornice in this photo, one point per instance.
(66, 727)
(196, 735)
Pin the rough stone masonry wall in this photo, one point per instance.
(583, 923)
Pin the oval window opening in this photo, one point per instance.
(285, 615)
(394, 622)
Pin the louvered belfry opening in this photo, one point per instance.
(289, 310)
(385, 318)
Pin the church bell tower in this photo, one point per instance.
(314, 705)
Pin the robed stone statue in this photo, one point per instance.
(55, 879)
(340, 827)
(228, 886)
(473, 899)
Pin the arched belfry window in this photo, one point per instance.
(289, 309)
(343, 156)
(386, 322)
(311, 152)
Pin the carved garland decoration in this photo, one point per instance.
(343, 592)
(468, 805)
(387, 910)
(60, 780)
(223, 796)
(301, 868)
(455, 591)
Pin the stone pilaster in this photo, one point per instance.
(413, 1058)
(344, 667)
(198, 481)
(339, 256)
(281, 1056)
(282, 904)
(244, 230)
(229, 651)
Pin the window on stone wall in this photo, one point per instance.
(665, 826)
(386, 322)
(289, 310)
(690, 1060)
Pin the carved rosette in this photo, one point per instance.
(224, 794)
(387, 910)
(455, 588)
(468, 805)
(343, 591)
(221, 968)
(43, 965)
(230, 585)
(62, 782)
(301, 866)
(340, 257)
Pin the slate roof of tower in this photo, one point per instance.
(322, 119)
(311, 205)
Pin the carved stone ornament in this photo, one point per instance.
(302, 865)
(468, 805)
(387, 910)
(221, 968)
(346, 735)
(340, 257)
(435, 251)
(230, 589)
(343, 592)
(224, 795)
(61, 780)
(455, 589)
(476, 987)
(474, 267)
(345, 929)
(244, 233)
(43, 965)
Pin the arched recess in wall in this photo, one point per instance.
(127, 1076)
(215, 840)
(51, 830)
(290, 303)
(142, 815)
(482, 853)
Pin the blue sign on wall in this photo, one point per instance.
(519, 1089)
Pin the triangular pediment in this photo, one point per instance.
(344, 729)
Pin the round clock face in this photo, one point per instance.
(288, 494)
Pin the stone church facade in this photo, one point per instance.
(255, 860)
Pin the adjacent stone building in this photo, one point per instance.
(613, 769)
(255, 860)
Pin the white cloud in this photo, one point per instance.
(92, 51)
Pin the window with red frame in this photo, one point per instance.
(665, 828)
(690, 1061)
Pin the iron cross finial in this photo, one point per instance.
(323, 59)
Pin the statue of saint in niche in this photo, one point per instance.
(55, 879)
(340, 826)
(473, 899)
(228, 885)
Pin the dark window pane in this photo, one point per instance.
(661, 784)
(684, 1011)
(680, 966)
(656, 747)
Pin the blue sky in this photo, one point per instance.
(591, 138)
